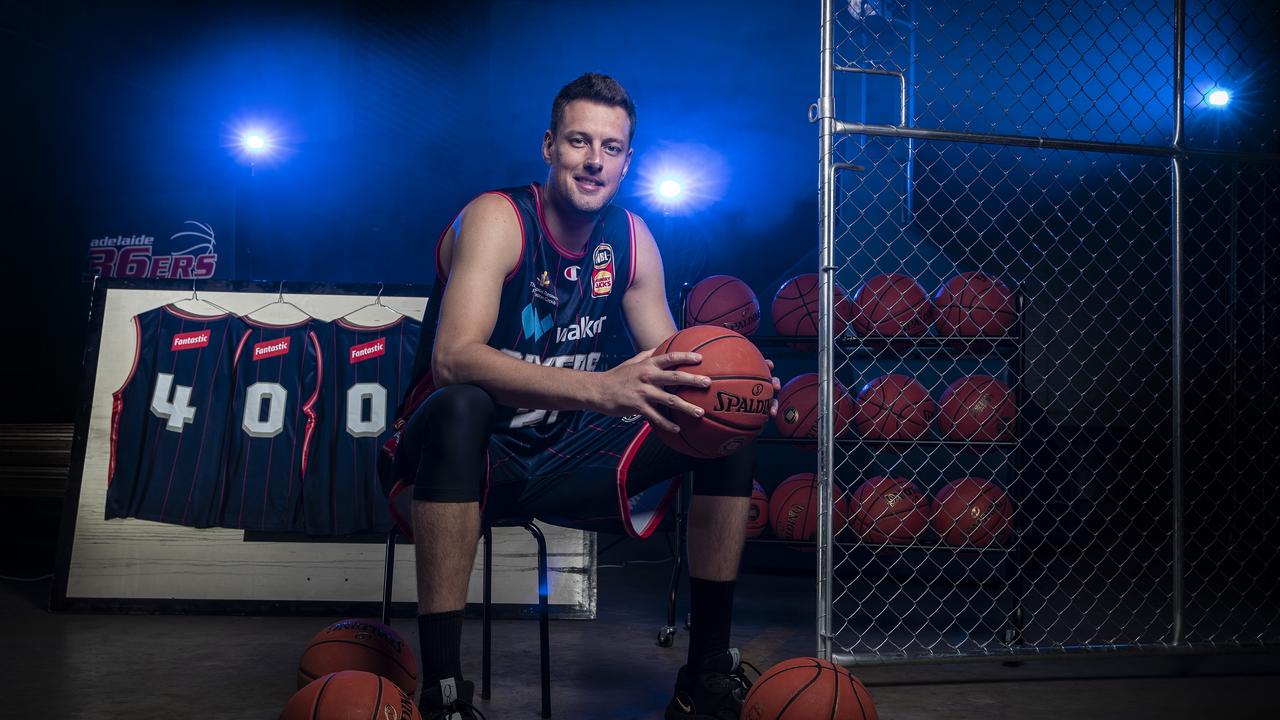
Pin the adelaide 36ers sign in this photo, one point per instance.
(190, 254)
(167, 235)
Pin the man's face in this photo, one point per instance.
(589, 155)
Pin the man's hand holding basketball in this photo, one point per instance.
(777, 389)
(640, 386)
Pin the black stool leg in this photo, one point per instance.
(544, 617)
(486, 610)
(388, 575)
(667, 633)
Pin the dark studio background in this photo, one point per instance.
(392, 116)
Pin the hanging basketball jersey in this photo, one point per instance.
(278, 371)
(168, 419)
(367, 373)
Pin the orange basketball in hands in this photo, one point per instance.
(736, 404)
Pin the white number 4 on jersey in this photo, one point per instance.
(172, 403)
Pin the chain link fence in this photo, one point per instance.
(1069, 150)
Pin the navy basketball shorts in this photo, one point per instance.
(610, 474)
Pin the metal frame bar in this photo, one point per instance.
(826, 299)
(1178, 570)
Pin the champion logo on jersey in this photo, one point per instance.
(584, 328)
(571, 273)
(190, 341)
(365, 351)
(271, 348)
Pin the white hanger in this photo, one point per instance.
(278, 301)
(377, 302)
(195, 297)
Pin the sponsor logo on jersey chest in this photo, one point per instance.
(369, 350)
(585, 327)
(190, 341)
(271, 348)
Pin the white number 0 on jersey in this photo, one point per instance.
(360, 424)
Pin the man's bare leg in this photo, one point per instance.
(445, 536)
(717, 529)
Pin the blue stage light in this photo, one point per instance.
(254, 142)
(1218, 97)
(670, 189)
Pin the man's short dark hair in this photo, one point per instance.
(596, 88)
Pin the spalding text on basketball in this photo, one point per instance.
(728, 402)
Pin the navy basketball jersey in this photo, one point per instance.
(367, 372)
(168, 419)
(278, 373)
(556, 306)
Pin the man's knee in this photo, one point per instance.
(450, 433)
(728, 476)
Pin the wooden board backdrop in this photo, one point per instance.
(138, 564)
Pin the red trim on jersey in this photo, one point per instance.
(440, 273)
(624, 508)
(523, 241)
(367, 328)
(117, 398)
(235, 359)
(631, 274)
(191, 316)
(542, 222)
(272, 326)
(308, 408)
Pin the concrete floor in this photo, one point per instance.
(148, 666)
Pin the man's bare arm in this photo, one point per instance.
(485, 250)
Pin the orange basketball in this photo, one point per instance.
(359, 645)
(757, 511)
(348, 695)
(737, 402)
(978, 408)
(974, 304)
(795, 308)
(892, 304)
(894, 407)
(798, 408)
(972, 511)
(888, 510)
(793, 509)
(723, 300)
(807, 689)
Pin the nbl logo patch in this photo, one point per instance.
(271, 348)
(602, 270)
(372, 349)
(190, 341)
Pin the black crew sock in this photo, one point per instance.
(440, 639)
(711, 615)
